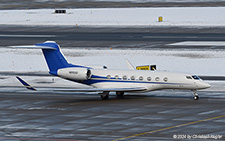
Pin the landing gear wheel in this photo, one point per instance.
(196, 97)
(104, 95)
(119, 94)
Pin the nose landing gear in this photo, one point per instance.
(195, 95)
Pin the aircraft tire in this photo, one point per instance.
(196, 97)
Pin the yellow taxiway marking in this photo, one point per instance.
(176, 126)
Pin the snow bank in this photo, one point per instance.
(182, 16)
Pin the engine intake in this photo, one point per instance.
(75, 73)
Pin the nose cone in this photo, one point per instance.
(203, 85)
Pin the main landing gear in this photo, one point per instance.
(119, 94)
(195, 95)
(104, 95)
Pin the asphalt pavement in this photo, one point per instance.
(140, 38)
(37, 4)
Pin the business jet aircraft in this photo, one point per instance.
(105, 80)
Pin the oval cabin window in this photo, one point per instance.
(141, 78)
(116, 77)
(108, 76)
(157, 79)
(132, 78)
(165, 79)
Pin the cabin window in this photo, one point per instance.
(195, 77)
(141, 78)
(108, 76)
(132, 78)
(165, 79)
(149, 78)
(124, 77)
(188, 77)
(157, 79)
(116, 77)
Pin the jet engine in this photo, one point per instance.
(75, 73)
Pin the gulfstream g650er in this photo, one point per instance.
(105, 80)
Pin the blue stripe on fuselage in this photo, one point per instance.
(93, 81)
(99, 79)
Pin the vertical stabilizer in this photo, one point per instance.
(54, 57)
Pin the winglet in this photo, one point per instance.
(29, 87)
(129, 65)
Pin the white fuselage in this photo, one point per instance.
(151, 80)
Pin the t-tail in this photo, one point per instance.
(53, 56)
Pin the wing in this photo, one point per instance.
(102, 89)
(25, 84)
(28, 86)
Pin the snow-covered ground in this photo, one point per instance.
(172, 16)
(189, 61)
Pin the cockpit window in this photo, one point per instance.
(195, 77)
(188, 77)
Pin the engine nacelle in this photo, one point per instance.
(75, 73)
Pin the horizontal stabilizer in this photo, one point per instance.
(25, 73)
(33, 47)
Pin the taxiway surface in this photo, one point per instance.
(35, 4)
(141, 38)
(163, 115)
